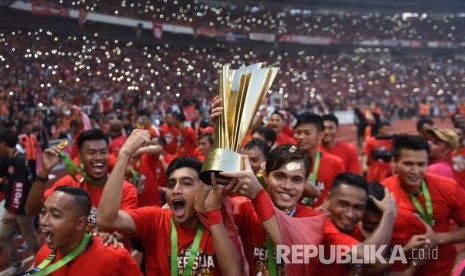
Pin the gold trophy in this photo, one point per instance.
(241, 91)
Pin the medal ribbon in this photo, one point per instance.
(174, 250)
(66, 259)
(316, 167)
(428, 215)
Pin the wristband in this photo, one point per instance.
(214, 217)
(41, 179)
(263, 206)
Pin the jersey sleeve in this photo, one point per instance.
(458, 208)
(146, 219)
(129, 199)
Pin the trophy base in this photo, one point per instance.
(220, 160)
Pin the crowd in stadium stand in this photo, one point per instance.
(44, 70)
(282, 19)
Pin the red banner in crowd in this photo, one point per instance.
(208, 32)
(49, 9)
(189, 111)
(157, 30)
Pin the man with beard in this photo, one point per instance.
(191, 248)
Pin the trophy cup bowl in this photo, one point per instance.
(242, 91)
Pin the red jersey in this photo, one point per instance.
(253, 235)
(170, 133)
(152, 130)
(128, 200)
(153, 228)
(29, 143)
(284, 139)
(96, 260)
(187, 142)
(457, 160)
(199, 155)
(155, 176)
(330, 167)
(287, 129)
(333, 236)
(349, 155)
(447, 200)
(379, 152)
(115, 144)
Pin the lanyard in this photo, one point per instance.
(428, 216)
(135, 177)
(316, 166)
(73, 169)
(271, 260)
(66, 259)
(270, 251)
(192, 254)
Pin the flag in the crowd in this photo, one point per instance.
(82, 17)
(157, 30)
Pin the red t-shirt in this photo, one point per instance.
(349, 155)
(333, 236)
(170, 133)
(115, 144)
(153, 228)
(199, 155)
(330, 167)
(447, 199)
(97, 260)
(287, 129)
(188, 142)
(459, 176)
(155, 176)
(377, 169)
(128, 200)
(284, 139)
(152, 130)
(253, 235)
